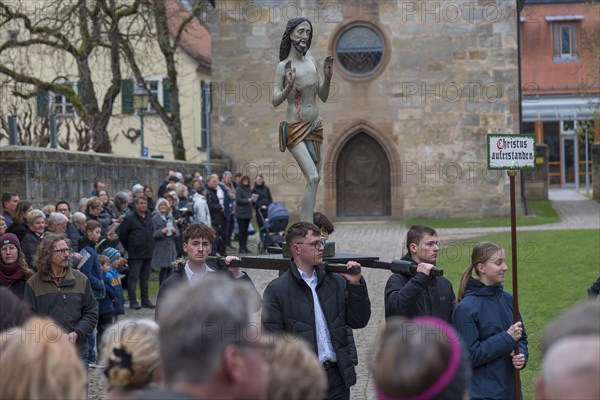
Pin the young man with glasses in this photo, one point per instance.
(198, 239)
(61, 293)
(318, 306)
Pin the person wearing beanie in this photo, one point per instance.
(14, 270)
(112, 254)
(112, 281)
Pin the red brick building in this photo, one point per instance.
(560, 48)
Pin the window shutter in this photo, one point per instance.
(127, 106)
(42, 104)
(166, 96)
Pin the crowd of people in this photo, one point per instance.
(215, 336)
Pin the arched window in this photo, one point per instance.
(360, 50)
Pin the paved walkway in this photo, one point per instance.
(385, 239)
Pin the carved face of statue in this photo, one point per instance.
(300, 37)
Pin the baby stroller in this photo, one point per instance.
(274, 226)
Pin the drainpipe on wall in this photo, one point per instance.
(520, 99)
(205, 90)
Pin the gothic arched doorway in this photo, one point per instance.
(363, 179)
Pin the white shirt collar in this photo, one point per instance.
(196, 275)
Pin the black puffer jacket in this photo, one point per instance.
(419, 295)
(136, 235)
(288, 307)
(264, 196)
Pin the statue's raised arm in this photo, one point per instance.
(297, 80)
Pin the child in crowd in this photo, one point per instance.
(326, 227)
(112, 280)
(106, 308)
(90, 266)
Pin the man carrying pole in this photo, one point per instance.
(318, 306)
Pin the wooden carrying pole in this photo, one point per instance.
(515, 284)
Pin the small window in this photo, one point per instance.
(568, 126)
(155, 85)
(360, 50)
(60, 104)
(565, 42)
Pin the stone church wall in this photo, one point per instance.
(449, 77)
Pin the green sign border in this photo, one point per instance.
(496, 135)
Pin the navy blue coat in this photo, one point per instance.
(91, 268)
(114, 290)
(482, 319)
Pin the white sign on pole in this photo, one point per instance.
(511, 152)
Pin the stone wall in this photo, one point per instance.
(44, 176)
(596, 171)
(447, 80)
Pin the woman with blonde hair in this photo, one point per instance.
(165, 237)
(295, 373)
(131, 357)
(3, 225)
(36, 226)
(95, 210)
(38, 362)
(484, 320)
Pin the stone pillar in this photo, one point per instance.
(596, 170)
(536, 180)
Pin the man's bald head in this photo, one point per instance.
(571, 355)
(571, 369)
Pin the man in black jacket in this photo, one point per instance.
(318, 306)
(420, 294)
(135, 233)
(198, 239)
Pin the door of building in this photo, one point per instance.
(569, 164)
(363, 179)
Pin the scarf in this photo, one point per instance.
(10, 273)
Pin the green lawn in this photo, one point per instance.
(554, 269)
(541, 213)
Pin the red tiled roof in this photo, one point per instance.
(195, 38)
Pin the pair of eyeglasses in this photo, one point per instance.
(65, 250)
(317, 245)
(7, 248)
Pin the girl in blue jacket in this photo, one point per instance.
(484, 319)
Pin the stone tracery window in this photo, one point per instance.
(360, 50)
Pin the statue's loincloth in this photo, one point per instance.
(309, 132)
